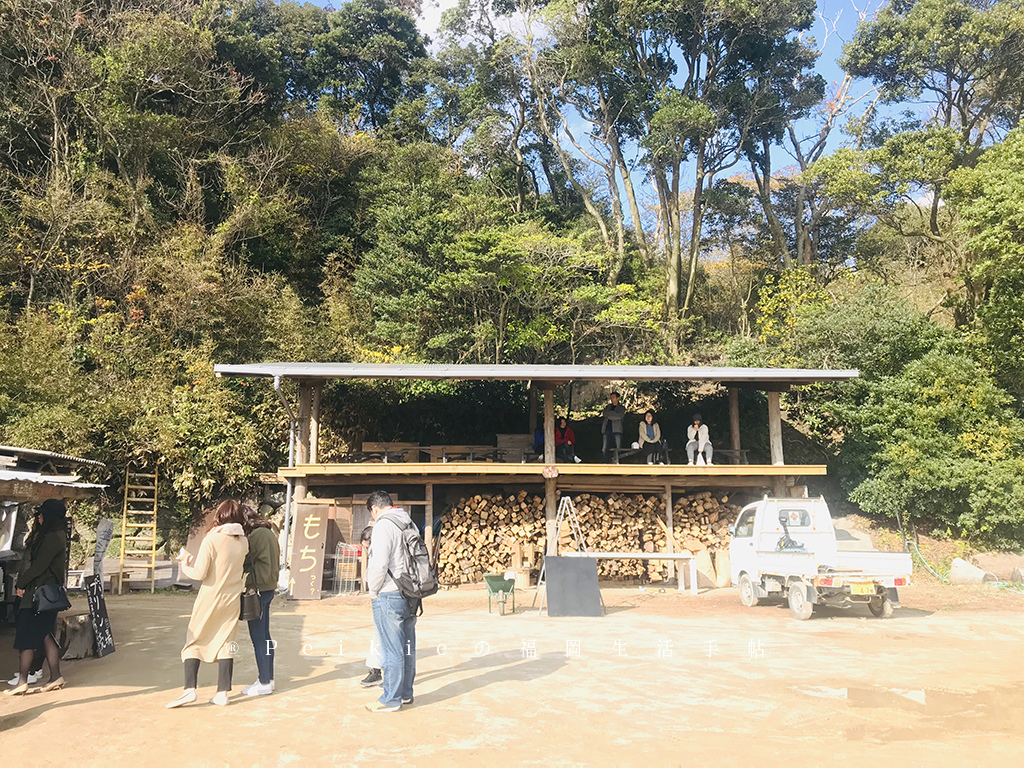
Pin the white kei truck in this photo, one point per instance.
(787, 548)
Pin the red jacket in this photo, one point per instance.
(568, 437)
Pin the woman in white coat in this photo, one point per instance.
(211, 630)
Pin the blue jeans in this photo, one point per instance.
(611, 440)
(259, 633)
(395, 621)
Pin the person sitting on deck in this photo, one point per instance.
(698, 441)
(650, 439)
(538, 441)
(565, 442)
(611, 425)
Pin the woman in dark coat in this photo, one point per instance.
(46, 547)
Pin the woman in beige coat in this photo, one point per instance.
(211, 630)
(650, 439)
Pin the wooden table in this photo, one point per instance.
(645, 556)
(382, 456)
(448, 453)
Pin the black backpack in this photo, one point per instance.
(418, 576)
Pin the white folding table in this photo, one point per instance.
(645, 556)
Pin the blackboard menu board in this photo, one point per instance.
(98, 614)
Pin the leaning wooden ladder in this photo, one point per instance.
(139, 517)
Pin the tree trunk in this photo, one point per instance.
(697, 219)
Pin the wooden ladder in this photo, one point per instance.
(138, 521)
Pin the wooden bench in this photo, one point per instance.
(733, 457)
(446, 453)
(392, 451)
(618, 454)
(517, 448)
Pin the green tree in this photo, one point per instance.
(990, 202)
(362, 61)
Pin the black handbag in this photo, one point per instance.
(51, 597)
(250, 608)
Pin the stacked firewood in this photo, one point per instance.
(481, 532)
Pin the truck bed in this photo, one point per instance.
(863, 565)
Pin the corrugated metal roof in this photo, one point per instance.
(64, 481)
(32, 453)
(553, 373)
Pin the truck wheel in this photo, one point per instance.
(799, 605)
(880, 607)
(748, 596)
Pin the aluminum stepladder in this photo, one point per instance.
(566, 511)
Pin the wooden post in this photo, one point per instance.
(302, 453)
(428, 521)
(314, 423)
(734, 419)
(550, 483)
(775, 428)
(669, 539)
(302, 420)
(533, 410)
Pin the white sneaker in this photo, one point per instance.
(258, 689)
(711, 463)
(221, 699)
(689, 463)
(186, 698)
(33, 678)
(577, 459)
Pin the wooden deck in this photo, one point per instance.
(595, 477)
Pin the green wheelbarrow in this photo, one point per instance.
(502, 589)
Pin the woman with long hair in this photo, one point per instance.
(211, 630)
(650, 438)
(46, 547)
(262, 566)
(565, 441)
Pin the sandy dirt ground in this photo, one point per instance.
(662, 679)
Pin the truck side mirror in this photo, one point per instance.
(732, 529)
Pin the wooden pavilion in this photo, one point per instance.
(306, 472)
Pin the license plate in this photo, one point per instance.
(862, 589)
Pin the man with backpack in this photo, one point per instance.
(398, 575)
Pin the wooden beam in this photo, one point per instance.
(775, 428)
(550, 484)
(611, 472)
(734, 417)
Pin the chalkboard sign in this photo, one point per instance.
(571, 584)
(98, 613)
